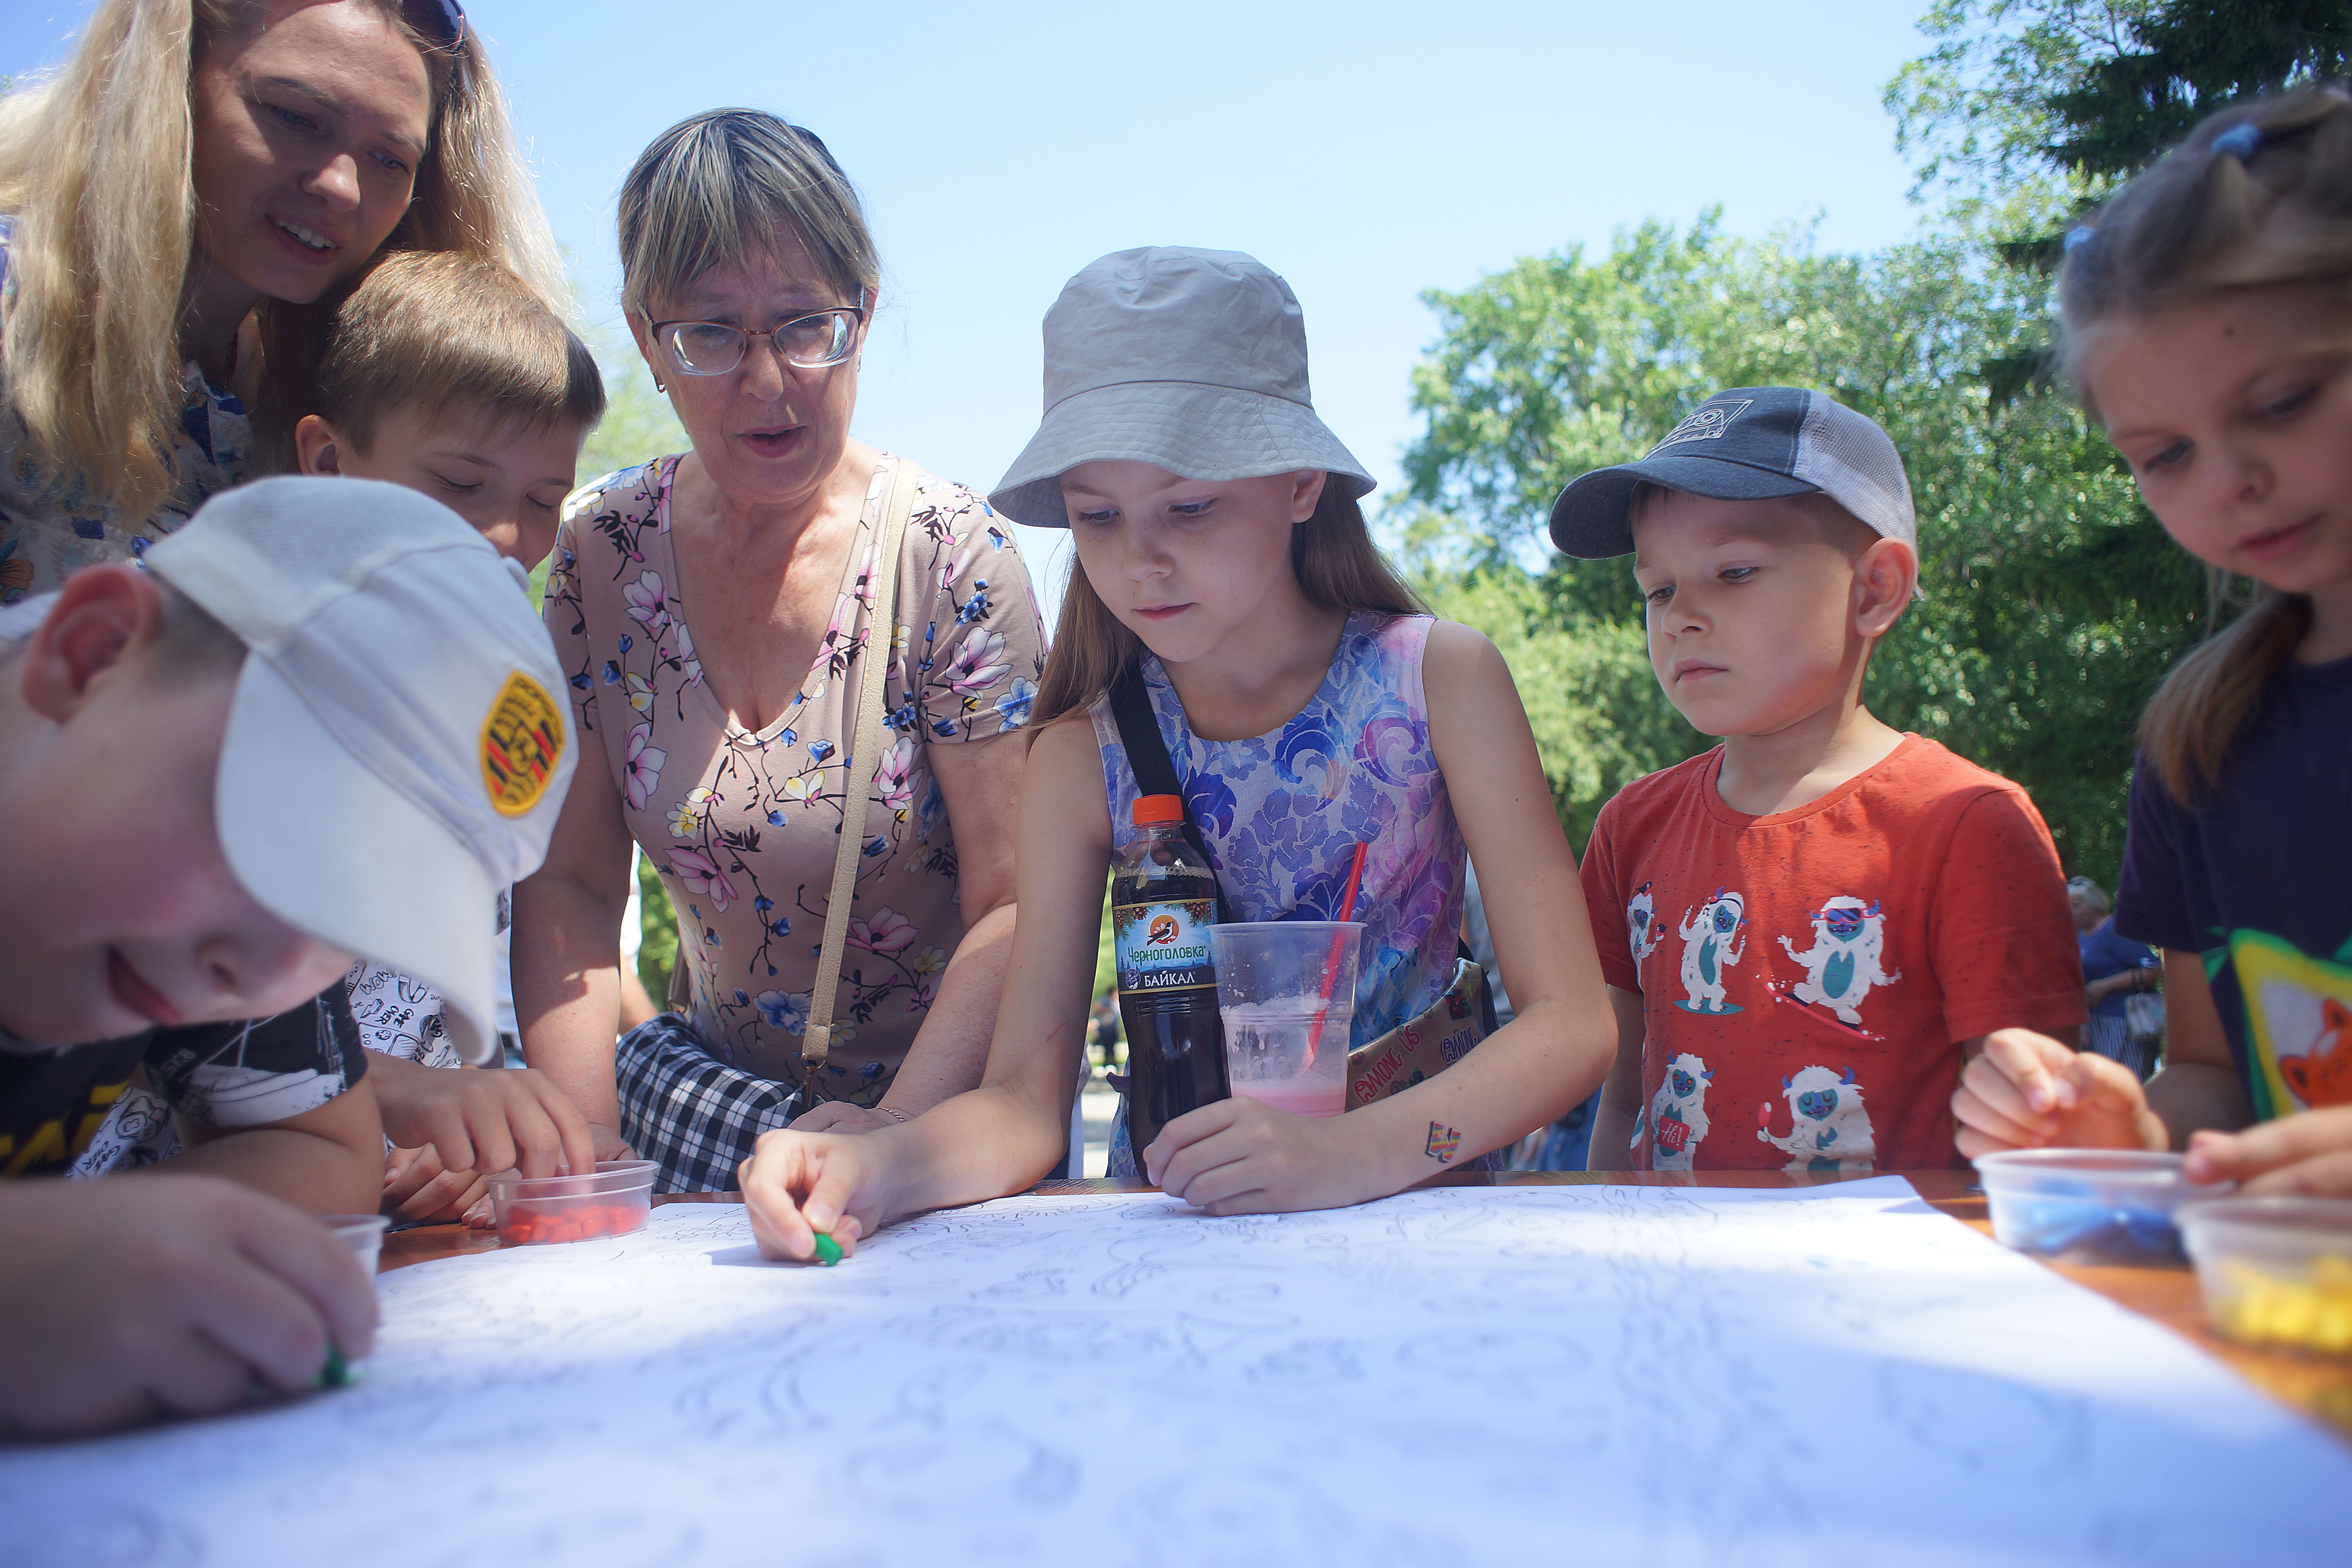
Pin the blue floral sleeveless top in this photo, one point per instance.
(1282, 813)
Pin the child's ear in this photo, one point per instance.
(103, 617)
(1306, 493)
(318, 447)
(1883, 577)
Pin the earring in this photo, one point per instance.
(658, 386)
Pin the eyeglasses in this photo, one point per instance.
(812, 341)
(441, 23)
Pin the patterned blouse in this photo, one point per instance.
(50, 529)
(1282, 813)
(742, 826)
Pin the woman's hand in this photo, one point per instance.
(2308, 1154)
(835, 1116)
(795, 1184)
(482, 1121)
(1239, 1156)
(2025, 1090)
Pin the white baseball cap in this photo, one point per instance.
(396, 754)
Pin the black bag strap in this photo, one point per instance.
(1155, 774)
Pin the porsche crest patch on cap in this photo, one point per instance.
(522, 742)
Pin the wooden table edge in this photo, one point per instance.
(2315, 1387)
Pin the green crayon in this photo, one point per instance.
(337, 1373)
(828, 1251)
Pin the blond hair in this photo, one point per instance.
(1331, 554)
(2258, 195)
(95, 169)
(717, 187)
(443, 330)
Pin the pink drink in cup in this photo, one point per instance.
(1286, 994)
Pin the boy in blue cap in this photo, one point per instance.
(1819, 921)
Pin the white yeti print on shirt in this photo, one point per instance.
(1845, 960)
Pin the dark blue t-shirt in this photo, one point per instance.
(2258, 878)
(2104, 953)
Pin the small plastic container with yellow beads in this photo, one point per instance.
(2276, 1272)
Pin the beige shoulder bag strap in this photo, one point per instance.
(865, 757)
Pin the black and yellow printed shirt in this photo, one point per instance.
(54, 1101)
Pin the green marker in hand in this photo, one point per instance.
(828, 1251)
(338, 1373)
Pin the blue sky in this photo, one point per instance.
(1367, 150)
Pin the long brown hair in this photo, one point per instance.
(2257, 196)
(1332, 553)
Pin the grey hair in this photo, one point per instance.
(2091, 893)
(713, 190)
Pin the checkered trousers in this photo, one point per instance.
(690, 1113)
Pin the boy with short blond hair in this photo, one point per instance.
(448, 375)
(1822, 918)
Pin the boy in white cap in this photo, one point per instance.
(318, 722)
(1818, 921)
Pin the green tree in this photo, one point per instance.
(2063, 98)
(637, 423)
(2052, 602)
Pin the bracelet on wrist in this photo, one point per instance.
(893, 1113)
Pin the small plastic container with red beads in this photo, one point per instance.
(533, 1209)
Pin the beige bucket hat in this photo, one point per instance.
(1194, 360)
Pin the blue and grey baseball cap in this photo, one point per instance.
(1750, 443)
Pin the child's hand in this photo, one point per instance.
(482, 1121)
(131, 1297)
(2025, 1090)
(1239, 1156)
(418, 1189)
(834, 1116)
(797, 1184)
(2306, 1155)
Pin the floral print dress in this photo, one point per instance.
(742, 826)
(1282, 813)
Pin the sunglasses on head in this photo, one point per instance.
(441, 23)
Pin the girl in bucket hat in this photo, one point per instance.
(1309, 705)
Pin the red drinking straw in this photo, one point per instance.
(1338, 947)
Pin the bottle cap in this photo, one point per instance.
(1153, 809)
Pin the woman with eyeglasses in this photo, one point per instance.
(174, 204)
(718, 611)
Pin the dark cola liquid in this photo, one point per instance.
(1175, 1040)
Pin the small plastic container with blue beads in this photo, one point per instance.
(2089, 1205)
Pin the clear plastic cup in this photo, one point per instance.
(2089, 1205)
(362, 1233)
(2275, 1271)
(613, 1200)
(1286, 996)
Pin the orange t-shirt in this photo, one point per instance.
(1805, 976)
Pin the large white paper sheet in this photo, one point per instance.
(1563, 1375)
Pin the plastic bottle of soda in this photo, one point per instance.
(1163, 902)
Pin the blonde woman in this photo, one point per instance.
(219, 166)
